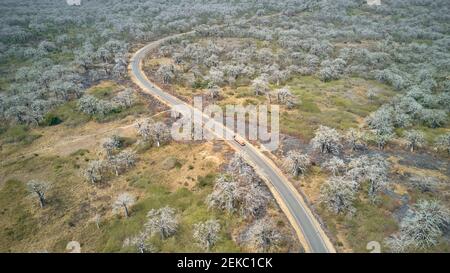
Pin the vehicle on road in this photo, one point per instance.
(239, 140)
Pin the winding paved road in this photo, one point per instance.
(308, 229)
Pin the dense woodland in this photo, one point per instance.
(397, 53)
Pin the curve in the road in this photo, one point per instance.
(307, 227)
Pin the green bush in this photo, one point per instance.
(51, 120)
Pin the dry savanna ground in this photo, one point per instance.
(179, 175)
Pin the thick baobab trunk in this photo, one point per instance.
(127, 214)
(41, 200)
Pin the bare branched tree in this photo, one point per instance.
(327, 140)
(140, 242)
(262, 235)
(443, 142)
(338, 194)
(414, 139)
(39, 189)
(225, 194)
(124, 201)
(296, 163)
(122, 161)
(335, 165)
(94, 171)
(111, 144)
(425, 223)
(206, 233)
(162, 221)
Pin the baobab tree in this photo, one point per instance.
(225, 195)
(398, 243)
(122, 161)
(327, 140)
(238, 192)
(162, 221)
(241, 171)
(166, 73)
(206, 233)
(296, 163)
(338, 194)
(94, 171)
(214, 91)
(124, 201)
(335, 165)
(140, 242)
(111, 144)
(423, 225)
(253, 200)
(159, 133)
(262, 235)
(414, 139)
(260, 85)
(39, 189)
(354, 138)
(156, 132)
(443, 142)
(376, 174)
(374, 169)
(125, 98)
(284, 96)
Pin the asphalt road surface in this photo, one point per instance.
(298, 212)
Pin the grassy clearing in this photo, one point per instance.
(17, 222)
(18, 134)
(73, 202)
(190, 207)
(339, 104)
(105, 90)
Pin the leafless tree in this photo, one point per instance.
(335, 165)
(414, 139)
(296, 163)
(206, 233)
(225, 195)
(157, 132)
(425, 223)
(338, 194)
(122, 161)
(140, 242)
(253, 200)
(214, 91)
(398, 243)
(94, 171)
(354, 138)
(260, 85)
(111, 144)
(125, 98)
(373, 168)
(162, 221)
(284, 96)
(166, 73)
(327, 140)
(124, 201)
(39, 189)
(443, 142)
(262, 235)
